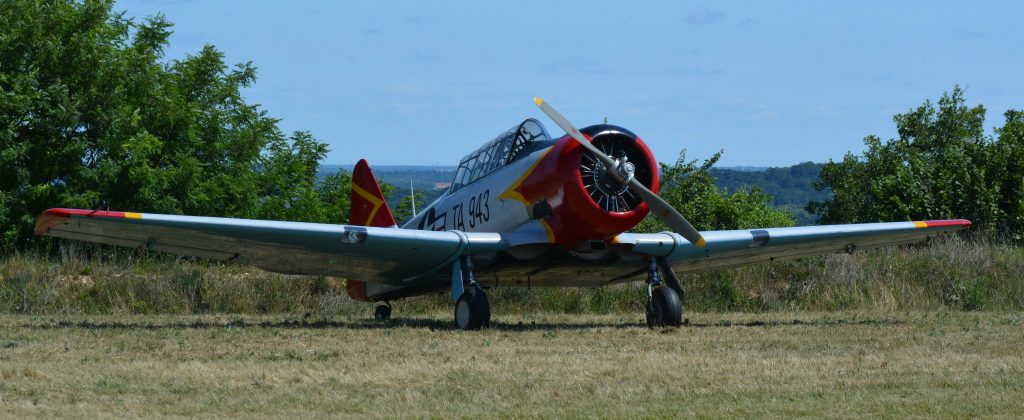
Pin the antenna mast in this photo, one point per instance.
(412, 198)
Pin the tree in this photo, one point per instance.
(288, 185)
(403, 211)
(690, 188)
(1007, 167)
(91, 116)
(336, 196)
(941, 166)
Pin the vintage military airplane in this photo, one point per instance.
(523, 210)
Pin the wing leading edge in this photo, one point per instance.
(410, 257)
(732, 248)
(372, 254)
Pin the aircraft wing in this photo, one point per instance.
(732, 248)
(411, 257)
(370, 254)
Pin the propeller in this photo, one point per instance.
(662, 209)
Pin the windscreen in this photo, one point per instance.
(497, 153)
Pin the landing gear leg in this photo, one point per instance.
(472, 310)
(383, 312)
(670, 278)
(664, 309)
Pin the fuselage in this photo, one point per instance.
(524, 180)
(549, 181)
(477, 207)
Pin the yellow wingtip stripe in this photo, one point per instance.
(132, 215)
(700, 242)
(538, 101)
(920, 224)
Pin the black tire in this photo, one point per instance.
(382, 313)
(652, 317)
(482, 306)
(667, 309)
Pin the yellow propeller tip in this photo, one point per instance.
(538, 101)
(700, 242)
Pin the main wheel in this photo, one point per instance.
(483, 307)
(664, 308)
(382, 313)
(472, 310)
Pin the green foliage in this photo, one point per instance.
(787, 185)
(941, 166)
(1007, 166)
(289, 188)
(90, 114)
(403, 211)
(336, 196)
(691, 189)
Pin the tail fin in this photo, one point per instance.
(368, 207)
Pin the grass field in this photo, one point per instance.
(931, 330)
(947, 274)
(834, 364)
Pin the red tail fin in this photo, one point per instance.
(368, 207)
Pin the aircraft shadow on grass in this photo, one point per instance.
(439, 325)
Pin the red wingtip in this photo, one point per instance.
(53, 217)
(964, 223)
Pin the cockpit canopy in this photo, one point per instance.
(505, 149)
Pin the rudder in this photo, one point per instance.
(367, 208)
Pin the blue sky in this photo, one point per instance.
(772, 83)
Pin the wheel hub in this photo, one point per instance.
(462, 313)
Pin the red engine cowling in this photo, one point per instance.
(570, 191)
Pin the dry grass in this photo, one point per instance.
(947, 274)
(842, 364)
(891, 332)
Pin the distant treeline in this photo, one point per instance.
(787, 185)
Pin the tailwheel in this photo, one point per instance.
(472, 310)
(664, 309)
(383, 312)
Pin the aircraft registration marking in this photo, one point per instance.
(478, 209)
